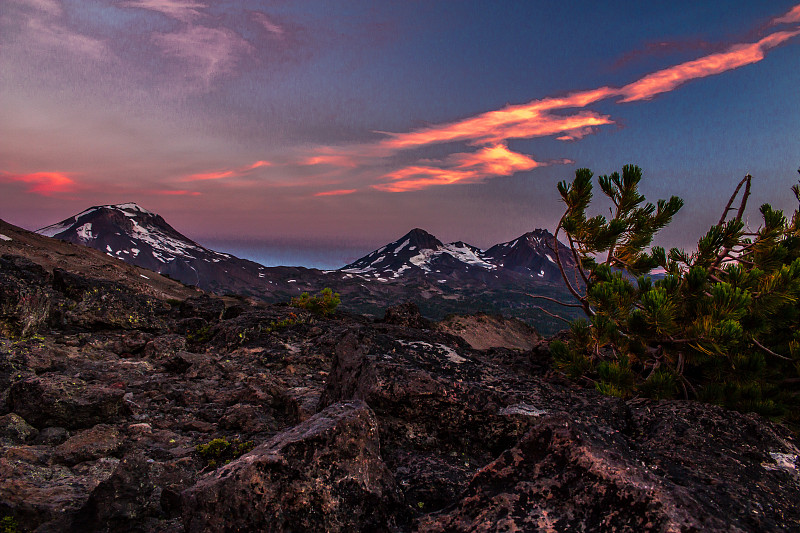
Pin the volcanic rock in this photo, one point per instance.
(325, 474)
(58, 400)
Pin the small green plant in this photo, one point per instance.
(202, 335)
(221, 451)
(280, 325)
(325, 303)
(8, 525)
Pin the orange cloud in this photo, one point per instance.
(333, 160)
(203, 176)
(525, 121)
(222, 174)
(43, 183)
(489, 162)
(736, 56)
(339, 192)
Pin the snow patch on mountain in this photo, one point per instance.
(85, 232)
(468, 254)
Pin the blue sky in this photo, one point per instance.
(353, 122)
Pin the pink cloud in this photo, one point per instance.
(175, 193)
(339, 192)
(736, 56)
(228, 173)
(345, 161)
(209, 52)
(42, 27)
(270, 25)
(42, 183)
(534, 119)
(184, 10)
(58, 37)
(793, 16)
(51, 7)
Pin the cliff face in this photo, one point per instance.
(355, 425)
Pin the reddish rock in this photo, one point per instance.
(100, 441)
(123, 502)
(325, 474)
(44, 497)
(15, 430)
(59, 400)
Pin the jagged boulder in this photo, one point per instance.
(570, 475)
(123, 502)
(407, 315)
(25, 299)
(98, 304)
(43, 496)
(59, 400)
(444, 413)
(326, 474)
(100, 441)
(15, 430)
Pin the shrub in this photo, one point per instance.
(221, 451)
(720, 326)
(325, 303)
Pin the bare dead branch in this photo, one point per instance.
(770, 351)
(744, 197)
(545, 311)
(730, 201)
(742, 204)
(559, 302)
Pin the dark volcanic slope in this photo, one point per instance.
(52, 253)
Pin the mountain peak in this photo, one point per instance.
(129, 206)
(421, 239)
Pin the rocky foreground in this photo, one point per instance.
(356, 425)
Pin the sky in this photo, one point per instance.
(313, 132)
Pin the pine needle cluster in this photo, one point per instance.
(721, 325)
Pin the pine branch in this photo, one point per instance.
(585, 304)
(577, 259)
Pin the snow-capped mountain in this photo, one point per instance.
(419, 252)
(137, 236)
(532, 254)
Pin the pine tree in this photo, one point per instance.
(720, 326)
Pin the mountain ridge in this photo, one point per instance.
(442, 278)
